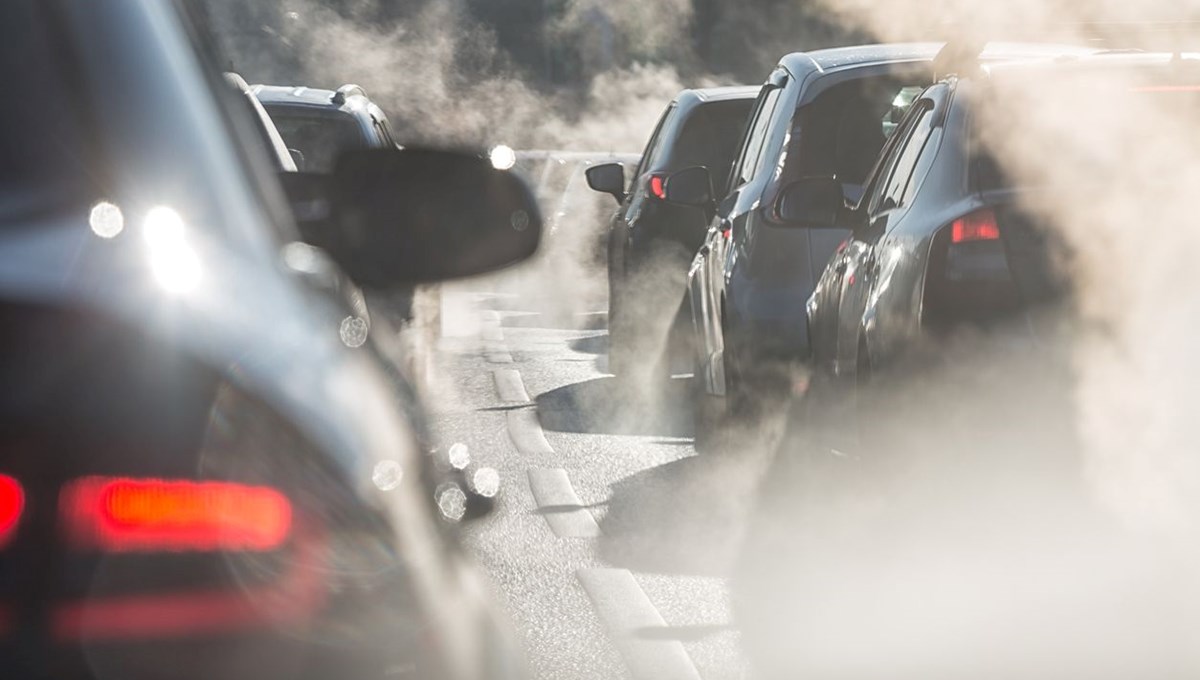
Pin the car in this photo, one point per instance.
(319, 124)
(210, 469)
(284, 160)
(651, 241)
(979, 410)
(943, 242)
(825, 111)
(822, 113)
(277, 149)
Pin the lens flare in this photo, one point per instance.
(502, 157)
(174, 263)
(106, 220)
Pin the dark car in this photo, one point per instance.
(320, 124)
(651, 241)
(209, 469)
(979, 346)
(317, 126)
(943, 242)
(826, 113)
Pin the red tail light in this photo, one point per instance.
(658, 186)
(135, 515)
(12, 504)
(978, 226)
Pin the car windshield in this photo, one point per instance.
(318, 135)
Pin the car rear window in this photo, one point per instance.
(710, 137)
(43, 154)
(320, 136)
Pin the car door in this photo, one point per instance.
(621, 226)
(858, 264)
(709, 272)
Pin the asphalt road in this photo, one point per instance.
(613, 540)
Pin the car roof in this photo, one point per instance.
(692, 98)
(870, 55)
(720, 94)
(352, 97)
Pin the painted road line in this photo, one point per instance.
(559, 504)
(626, 612)
(526, 433)
(497, 353)
(509, 386)
(499, 358)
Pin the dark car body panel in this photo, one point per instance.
(663, 235)
(126, 345)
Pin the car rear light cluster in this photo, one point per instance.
(980, 225)
(658, 186)
(12, 505)
(140, 515)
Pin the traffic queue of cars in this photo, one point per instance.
(798, 284)
(213, 467)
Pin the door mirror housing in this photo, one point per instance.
(394, 218)
(690, 186)
(608, 178)
(811, 203)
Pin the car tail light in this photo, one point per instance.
(142, 515)
(658, 186)
(980, 225)
(12, 504)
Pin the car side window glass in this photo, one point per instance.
(924, 161)
(885, 170)
(652, 148)
(748, 164)
(906, 160)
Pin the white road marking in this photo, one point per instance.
(626, 612)
(526, 433)
(509, 386)
(493, 333)
(556, 498)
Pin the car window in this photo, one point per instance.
(883, 174)
(843, 130)
(710, 138)
(748, 164)
(653, 148)
(877, 181)
(320, 136)
(906, 160)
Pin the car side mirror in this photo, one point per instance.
(393, 217)
(811, 203)
(690, 186)
(608, 178)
